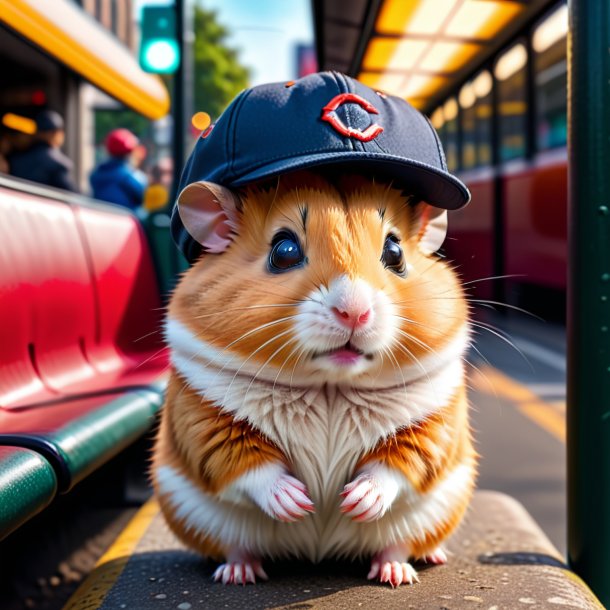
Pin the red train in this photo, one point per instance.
(504, 133)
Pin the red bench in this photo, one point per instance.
(81, 354)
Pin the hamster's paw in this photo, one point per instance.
(368, 497)
(239, 572)
(437, 557)
(286, 499)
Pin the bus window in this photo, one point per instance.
(512, 105)
(450, 135)
(549, 44)
(467, 99)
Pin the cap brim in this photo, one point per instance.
(436, 187)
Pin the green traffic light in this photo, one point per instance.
(161, 56)
(159, 47)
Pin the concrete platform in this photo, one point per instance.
(499, 560)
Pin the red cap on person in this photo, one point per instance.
(120, 142)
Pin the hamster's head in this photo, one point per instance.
(312, 280)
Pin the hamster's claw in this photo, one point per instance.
(437, 557)
(395, 573)
(364, 499)
(239, 572)
(289, 500)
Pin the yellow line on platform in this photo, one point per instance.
(490, 380)
(94, 589)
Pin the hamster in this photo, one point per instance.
(317, 404)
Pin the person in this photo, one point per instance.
(116, 180)
(44, 162)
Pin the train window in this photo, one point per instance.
(438, 122)
(450, 133)
(550, 69)
(510, 72)
(467, 99)
(475, 102)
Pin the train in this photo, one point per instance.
(504, 132)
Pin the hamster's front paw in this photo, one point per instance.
(285, 499)
(369, 496)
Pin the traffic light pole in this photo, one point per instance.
(178, 98)
(589, 295)
(182, 96)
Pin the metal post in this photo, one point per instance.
(589, 294)
(178, 99)
(182, 96)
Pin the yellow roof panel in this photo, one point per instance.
(447, 56)
(392, 54)
(482, 19)
(65, 31)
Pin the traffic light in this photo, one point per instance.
(159, 48)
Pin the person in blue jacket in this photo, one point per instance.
(116, 180)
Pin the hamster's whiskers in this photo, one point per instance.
(303, 349)
(395, 364)
(285, 344)
(259, 328)
(218, 313)
(258, 349)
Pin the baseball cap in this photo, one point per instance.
(319, 120)
(49, 120)
(120, 142)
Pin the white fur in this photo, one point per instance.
(319, 416)
(201, 363)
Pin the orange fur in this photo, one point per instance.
(424, 454)
(212, 447)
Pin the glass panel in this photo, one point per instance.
(438, 122)
(512, 104)
(475, 102)
(467, 101)
(450, 140)
(482, 85)
(550, 68)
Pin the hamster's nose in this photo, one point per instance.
(352, 318)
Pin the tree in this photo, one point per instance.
(218, 76)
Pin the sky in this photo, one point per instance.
(264, 32)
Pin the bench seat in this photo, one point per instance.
(82, 361)
(79, 435)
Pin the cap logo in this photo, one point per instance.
(329, 115)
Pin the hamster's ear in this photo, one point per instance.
(432, 228)
(209, 213)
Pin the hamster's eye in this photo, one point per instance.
(285, 252)
(392, 256)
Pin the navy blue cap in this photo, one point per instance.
(322, 119)
(49, 120)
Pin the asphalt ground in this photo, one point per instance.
(518, 415)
